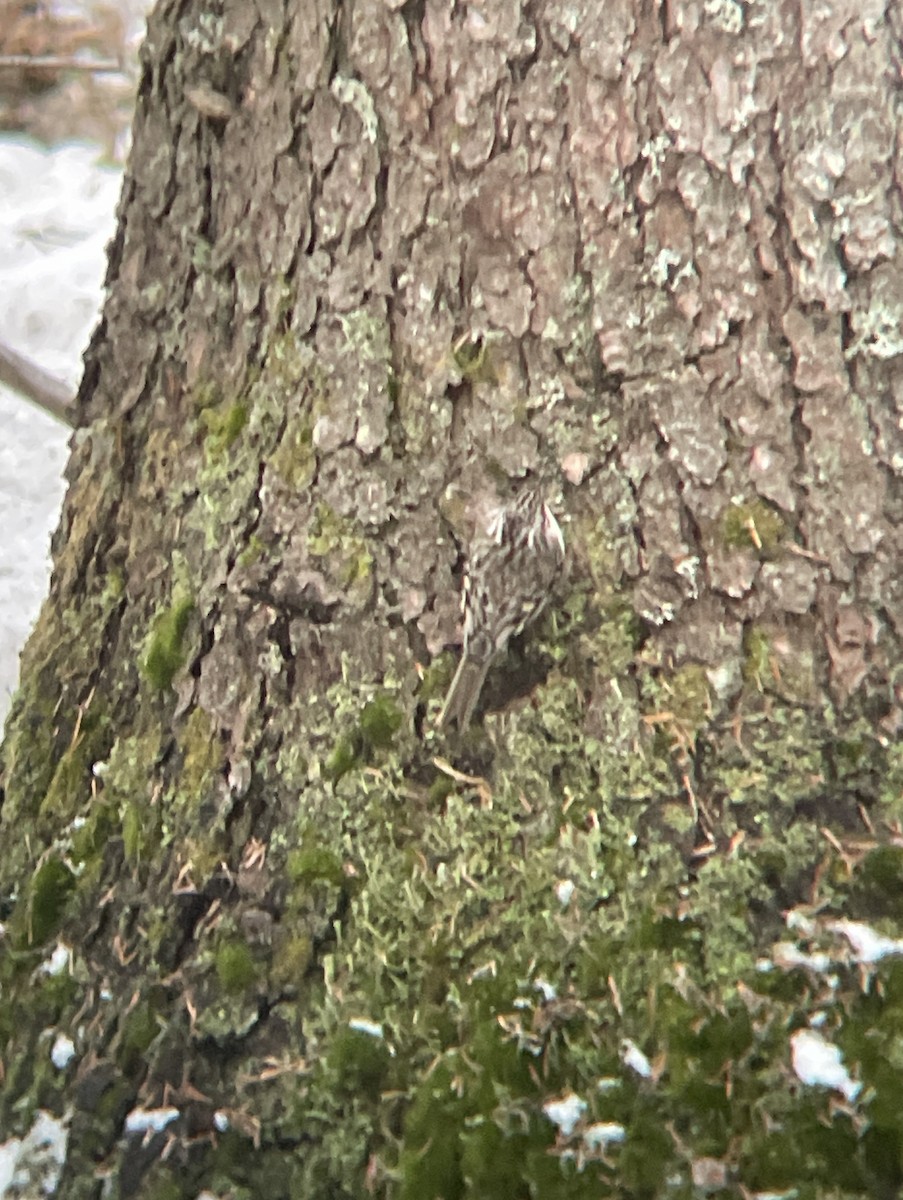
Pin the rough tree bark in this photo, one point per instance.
(267, 932)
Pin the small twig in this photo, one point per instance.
(44, 390)
(57, 62)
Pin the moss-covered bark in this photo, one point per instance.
(267, 933)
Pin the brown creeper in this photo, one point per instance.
(510, 570)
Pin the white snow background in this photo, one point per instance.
(56, 217)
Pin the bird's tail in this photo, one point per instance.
(464, 693)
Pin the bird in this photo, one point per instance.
(511, 566)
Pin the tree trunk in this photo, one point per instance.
(270, 932)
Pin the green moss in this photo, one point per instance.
(344, 757)
(326, 532)
(459, 933)
(380, 721)
(202, 753)
(70, 787)
(291, 962)
(141, 831)
(51, 886)
(473, 359)
(359, 1061)
(474, 1123)
(774, 767)
(493, 1160)
(235, 967)
(877, 890)
(890, 783)
(220, 419)
(114, 586)
(139, 1028)
(109, 1109)
(441, 787)
(679, 704)
(240, 1174)
(596, 539)
(294, 459)
(206, 395)
(393, 388)
(806, 1147)
(611, 639)
(164, 654)
(315, 861)
(92, 836)
(332, 538)
(252, 552)
(29, 755)
(235, 420)
(161, 1183)
(436, 677)
(127, 778)
(678, 817)
(756, 656)
(224, 424)
(645, 1159)
(850, 753)
(690, 696)
(755, 525)
(430, 1159)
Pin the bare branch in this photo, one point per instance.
(44, 390)
(57, 62)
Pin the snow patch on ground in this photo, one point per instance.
(819, 1063)
(56, 219)
(32, 1165)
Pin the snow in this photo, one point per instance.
(864, 945)
(150, 1120)
(633, 1057)
(566, 1113)
(816, 1061)
(788, 955)
(32, 1165)
(62, 1052)
(58, 961)
(867, 944)
(820, 1064)
(56, 218)
(603, 1134)
(548, 991)
(371, 1028)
